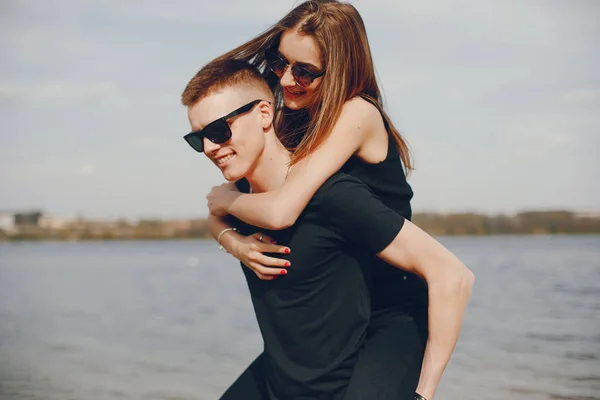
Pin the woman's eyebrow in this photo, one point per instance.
(300, 63)
(308, 65)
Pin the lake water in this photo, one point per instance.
(172, 320)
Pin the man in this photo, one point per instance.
(314, 317)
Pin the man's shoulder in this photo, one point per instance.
(342, 180)
(337, 188)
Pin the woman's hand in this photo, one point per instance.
(220, 197)
(249, 250)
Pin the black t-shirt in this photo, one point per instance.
(313, 320)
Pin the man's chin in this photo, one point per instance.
(232, 175)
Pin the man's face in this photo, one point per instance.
(237, 156)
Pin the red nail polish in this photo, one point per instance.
(287, 264)
(287, 251)
(283, 272)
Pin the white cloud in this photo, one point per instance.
(61, 91)
(540, 136)
(469, 84)
(9, 91)
(581, 96)
(186, 11)
(159, 10)
(423, 8)
(70, 91)
(86, 170)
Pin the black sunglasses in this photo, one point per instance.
(217, 131)
(278, 64)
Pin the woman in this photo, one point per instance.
(320, 68)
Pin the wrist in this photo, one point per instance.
(223, 236)
(230, 244)
(426, 388)
(425, 393)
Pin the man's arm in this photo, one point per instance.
(362, 219)
(250, 250)
(216, 225)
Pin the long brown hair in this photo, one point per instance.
(340, 33)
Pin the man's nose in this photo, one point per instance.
(209, 146)
(287, 79)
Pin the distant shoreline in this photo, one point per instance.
(37, 227)
(164, 239)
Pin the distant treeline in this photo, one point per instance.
(535, 222)
(532, 222)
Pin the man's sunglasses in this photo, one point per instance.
(217, 131)
(278, 64)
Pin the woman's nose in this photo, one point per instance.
(287, 79)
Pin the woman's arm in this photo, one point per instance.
(449, 283)
(279, 209)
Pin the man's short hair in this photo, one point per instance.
(218, 75)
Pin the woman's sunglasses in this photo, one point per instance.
(278, 64)
(217, 131)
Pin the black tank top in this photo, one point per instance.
(386, 179)
(393, 289)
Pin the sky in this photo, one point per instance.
(499, 101)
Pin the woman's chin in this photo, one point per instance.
(295, 102)
(294, 105)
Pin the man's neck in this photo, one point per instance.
(271, 167)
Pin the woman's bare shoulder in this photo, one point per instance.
(361, 107)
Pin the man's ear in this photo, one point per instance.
(266, 115)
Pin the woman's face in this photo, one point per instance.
(301, 50)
